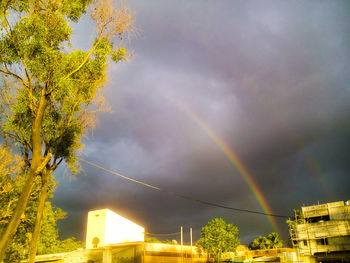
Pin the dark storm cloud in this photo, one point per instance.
(270, 78)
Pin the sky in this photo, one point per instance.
(241, 103)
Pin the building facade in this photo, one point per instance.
(130, 252)
(105, 227)
(111, 238)
(323, 231)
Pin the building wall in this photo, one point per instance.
(134, 252)
(168, 253)
(77, 256)
(326, 229)
(323, 229)
(111, 228)
(335, 210)
(96, 225)
(315, 246)
(264, 252)
(120, 230)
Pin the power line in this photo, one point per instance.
(181, 195)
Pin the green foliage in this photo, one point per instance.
(35, 57)
(49, 242)
(167, 241)
(269, 242)
(218, 237)
(10, 184)
(299, 219)
(66, 245)
(152, 240)
(119, 55)
(156, 240)
(49, 238)
(49, 91)
(12, 179)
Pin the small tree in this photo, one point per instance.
(218, 237)
(298, 219)
(152, 240)
(156, 240)
(269, 242)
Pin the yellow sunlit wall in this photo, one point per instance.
(104, 227)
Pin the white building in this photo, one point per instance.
(113, 238)
(105, 227)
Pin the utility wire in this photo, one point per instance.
(181, 195)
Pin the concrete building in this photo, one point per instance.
(323, 232)
(105, 227)
(131, 252)
(281, 254)
(111, 238)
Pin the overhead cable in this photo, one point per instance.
(181, 195)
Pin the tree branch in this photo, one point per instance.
(7, 72)
(30, 86)
(43, 164)
(36, 129)
(86, 58)
(56, 164)
(26, 155)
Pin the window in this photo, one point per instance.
(317, 219)
(322, 242)
(305, 243)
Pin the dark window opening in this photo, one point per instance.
(318, 219)
(305, 243)
(322, 242)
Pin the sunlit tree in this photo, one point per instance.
(49, 90)
(271, 241)
(11, 183)
(218, 237)
(10, 168)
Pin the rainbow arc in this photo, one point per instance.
(232, 157)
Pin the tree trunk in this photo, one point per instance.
(16, 216)
(35, 168)
(39, 217)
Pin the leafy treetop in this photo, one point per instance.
(218, 237)
(11, 183)
(42, 75)
(269, 242)
(49, 92)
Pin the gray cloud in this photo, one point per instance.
(271, 79)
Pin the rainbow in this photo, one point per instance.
(312, 163)
(233, 158)
(316, 170)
